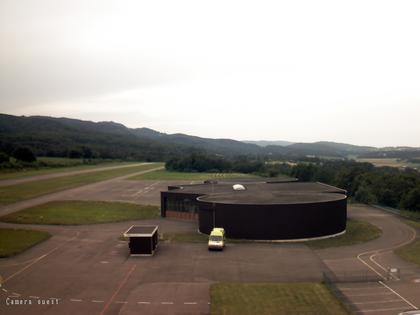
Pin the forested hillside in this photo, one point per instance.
(65, 137)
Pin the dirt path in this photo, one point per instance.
(11, 182)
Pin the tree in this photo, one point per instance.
(365, 195)
(24, 154)
(4, 157)
(87, 153)
(304, 172)
(75, 154)
(411, 200)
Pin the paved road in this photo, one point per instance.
(363, 270)
(74, 193)
(16, 181)
(88, 269)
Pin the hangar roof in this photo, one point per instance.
(262, 192)
(270, 197)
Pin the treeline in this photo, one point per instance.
(362, 181)
(21, 154)
(198, 162)
(365, 183)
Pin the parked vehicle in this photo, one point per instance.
(217, 239)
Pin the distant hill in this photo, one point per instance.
(264, 143)
(60, 136)
(217, 146)
(51, 136)
(326, 148)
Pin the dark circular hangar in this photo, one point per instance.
(260, 210)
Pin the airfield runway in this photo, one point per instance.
(88, 270)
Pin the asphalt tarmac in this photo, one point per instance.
(88, 270)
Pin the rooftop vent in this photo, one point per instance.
(238, 187)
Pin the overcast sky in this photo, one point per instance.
(295, 70)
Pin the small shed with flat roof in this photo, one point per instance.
(144, 239)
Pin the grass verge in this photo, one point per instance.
(273, 299)
(187, 237)
(81, 212)
(13, 241)
(167, 175)
(195, 237)
(15, 193)
(410, 252)
(356, 232)
(414, 224)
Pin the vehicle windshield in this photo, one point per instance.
(216, 238)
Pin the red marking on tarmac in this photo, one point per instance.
(39, 258)
(117, 290)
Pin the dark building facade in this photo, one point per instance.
(144, 239)
(260, 210)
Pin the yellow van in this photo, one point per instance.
(217, 239)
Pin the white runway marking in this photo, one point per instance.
(382, 310)
(97, 301)
(402, 298)
(143, 302)
(367, 288)
(34, 297)
(374, 302)
(167, 303)
(369, 294)
(76, 300)
(41, 257)
(121, 302)
(190, 303)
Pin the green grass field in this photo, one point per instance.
(81, 212)
(187, 237)
(273, 299)
(167, 175)
(13, 241)
(410, 252)
(15, 193)
(414, 224)
(411, 215)
(356, 232)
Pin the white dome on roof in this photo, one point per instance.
(238, 187)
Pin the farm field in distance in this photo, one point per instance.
(391, 162)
